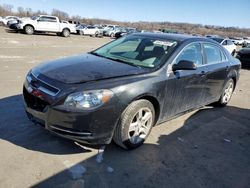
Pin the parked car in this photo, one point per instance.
(110, 30)
(226, 43)
(79, 27)
(121, 90)
(91, 30)
(244, 56)
(246, 41)
(125, 31)
(6, 19)
(45, 23)
(238, 41)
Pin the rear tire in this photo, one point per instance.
(96, 34)
(135, 124)
(65, 33)
(29, 30)
(226, 94)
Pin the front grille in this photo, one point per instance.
(41, 85)
(34, 102)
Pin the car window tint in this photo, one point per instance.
(229, 42)
(213, 53)
(128, 46)
(47, 19)
(225, 42)
(191, 53)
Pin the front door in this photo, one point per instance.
(184, 88)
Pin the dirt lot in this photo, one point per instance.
(206, 148)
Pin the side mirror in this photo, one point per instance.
(184, 65)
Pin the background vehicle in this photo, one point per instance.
(125, 31)
(246, 41)
(90, 30)
(226, 43)
(178, 73)
(110, 30)
(46, 23)
(238, 41)
(6, 19)
(79, 27)
(244, 56)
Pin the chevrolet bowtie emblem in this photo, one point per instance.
(30, 89)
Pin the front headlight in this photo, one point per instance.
(88, 99)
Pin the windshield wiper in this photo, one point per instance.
(115, 59)
(122, 61)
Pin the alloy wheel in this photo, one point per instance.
(140, 125)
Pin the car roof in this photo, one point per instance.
(176, 37)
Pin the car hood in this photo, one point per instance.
(85, 68)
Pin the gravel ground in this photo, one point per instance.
(208, 147)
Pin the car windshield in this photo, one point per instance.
(136, 50)
(219, 40)
(34, 17)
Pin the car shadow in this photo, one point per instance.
(210, 149)
(36, 33)
(17, 129)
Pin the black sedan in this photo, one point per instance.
(244, 56)
(121, 90)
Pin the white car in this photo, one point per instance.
(111, 30)
(226, 43)
(6, 19)
(90, 30)
(46, 23)
(238, 41)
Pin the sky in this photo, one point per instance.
(207, 12)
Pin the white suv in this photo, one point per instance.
(46, 23)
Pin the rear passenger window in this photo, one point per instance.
(213, 53)
(191, 53)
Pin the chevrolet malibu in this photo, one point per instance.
(121, 90)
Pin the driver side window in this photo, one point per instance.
(192, 53)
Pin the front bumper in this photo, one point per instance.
(91, 127)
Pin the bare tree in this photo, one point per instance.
(28, 12)
(60, 14)
(21, 11)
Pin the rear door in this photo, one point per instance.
(217, 67)
(184, 88)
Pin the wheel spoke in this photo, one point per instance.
(140, 114)
(133, 126)
(146, 117)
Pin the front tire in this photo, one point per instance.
(65, 33)
(29, 30)
(226, 94)
(135, 124)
